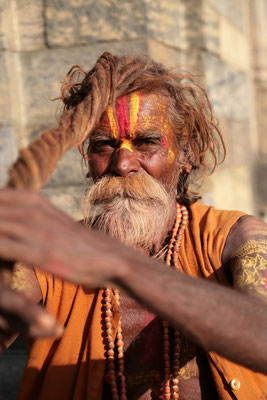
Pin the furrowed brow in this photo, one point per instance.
(96, 136)
(155, 134)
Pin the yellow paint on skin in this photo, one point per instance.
(126, 144)
(134, 110)
(250, 268)
(171, 155)
(112, 122)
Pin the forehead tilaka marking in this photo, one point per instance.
(127, 122)
(149, 113)
(126, 144)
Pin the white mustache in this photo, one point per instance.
(131, 209)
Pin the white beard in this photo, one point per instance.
(133, 209)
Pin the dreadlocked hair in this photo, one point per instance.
(86, 97)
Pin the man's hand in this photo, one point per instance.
(34, 232)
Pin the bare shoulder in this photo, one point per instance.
(245, 253)
(24, 280)
(247, 228)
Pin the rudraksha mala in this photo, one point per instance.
(117, 379)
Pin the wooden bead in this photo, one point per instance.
(110, 364)
(167, 389)
(167, 364)
(165, 336)
(111, 374)
(166, 372)
(120, 370)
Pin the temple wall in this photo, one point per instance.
(222, 40)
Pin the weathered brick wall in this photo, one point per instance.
(41, 39)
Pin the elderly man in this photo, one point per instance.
(127, 283)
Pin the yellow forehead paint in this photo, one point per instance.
(134, 112)
(126, 144)
(171, 155)
(112, 122)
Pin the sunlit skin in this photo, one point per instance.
(149, 149)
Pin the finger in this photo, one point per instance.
(20, 314)
(6, 338)
(4, 324)
(15, 250)
(27, 200)
(30, 215)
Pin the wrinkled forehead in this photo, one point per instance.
(137, 112)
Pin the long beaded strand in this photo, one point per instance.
(171, 389)
(165, 325)
(171, 386)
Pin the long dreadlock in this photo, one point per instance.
(86, 99)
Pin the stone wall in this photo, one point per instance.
(41, 39)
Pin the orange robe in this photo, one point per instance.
(73, 367)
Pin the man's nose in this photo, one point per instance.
(124, 162)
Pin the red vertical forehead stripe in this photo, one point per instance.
(124, 122)
(123, 117)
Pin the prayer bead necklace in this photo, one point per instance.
(117, 379)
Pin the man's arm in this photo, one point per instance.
(245, 253)
(231, 322)
(217, 318)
